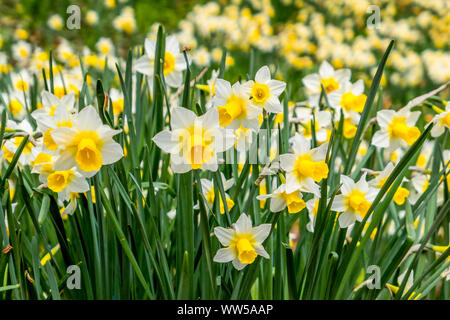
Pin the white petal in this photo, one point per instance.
(222, 88)
(384, 117)
(273, 105)
(326, 70)
(300, 144)
(65, 161)
(225, 236)
(277, 204)
(261, 251)
(87, 120)
(263, 75)
(144, 65)
(174, 79)
(238, 265)
(338, 204)
(63, 136)
(347, 184)
(150, 47)
(381, 139)
(111, 152)
(172, 44)
(243, 224)
(312, 82)
(79, 184)
(261, 232)
(276, 87)
(182, 118)
(224, 255)
(166, 142)
(346, 219)
(287, 161)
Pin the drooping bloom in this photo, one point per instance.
(280, 200)
(305, 167)
(174, 62)
(396, 128)
(87, 144)
(194, 141)
(329, 78)
(265, 91)
(355, 200)
(441, 121)
(234, 106)
(242, 242)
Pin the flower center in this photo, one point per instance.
(351, 102)
(446, 120)
(305, 167)
(329, 84)
(15, 107)
(357, 202)
(169, 63)
(196, 145)
(58, 180)
(293, 201)
(399, 129)
(234, 108)
(245, 250)
(349, 129)
(260, 93)
(88, 156)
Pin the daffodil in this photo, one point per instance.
(354, 201)
(16, 105)
(234, 106)
(400, 195)
(194, 141)
(280, 199)
(397, 128)
(11, 145)
(350, 97)
(242, 242)
(209, 193)
(327, 77)
(265, 91)
(305, 167)
(87, 144)
(322, 123)
(174, 62)
(441, 121)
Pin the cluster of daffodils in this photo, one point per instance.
(66, 148)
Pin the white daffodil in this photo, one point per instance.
(305, 167)
(425, 154)
(208, 193)
(397, 128)
(49, 104)
(355, 200)
(87, 144)
(67, 182)
(174, 62)
(280, 200)
(210, 88)
(21, 81)
(265, 91)
(11, 145)
(400, 195)
(322, 123)
(350, 97)
(441, 121)
(328, 77)
(234, 106)
(194, 141)
(243, 242)
(15, 103)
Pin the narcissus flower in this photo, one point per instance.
(280, 200)
(87, 144)
(349, 97)
(234, 107)
(355, 200)
(194, 141)
(243, 242)
(441, 121)
(327, 77)
(305, 167)
(400, 195)
(265, 91)
(397, 128)
(209, 193)
(322, 123)
(174, 62)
